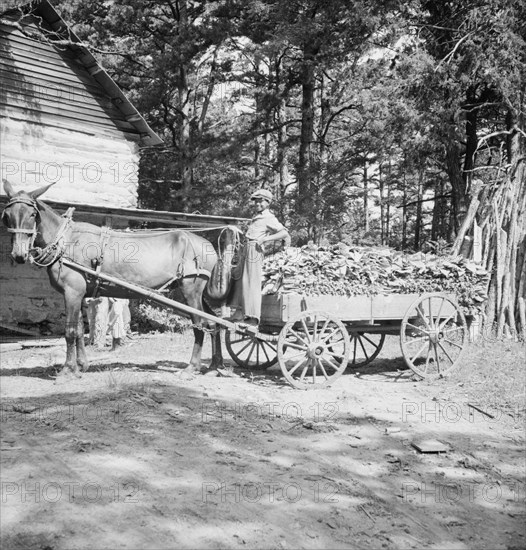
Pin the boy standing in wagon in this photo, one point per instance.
(263, 228)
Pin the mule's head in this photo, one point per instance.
(21, 217)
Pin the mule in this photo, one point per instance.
(174, 259)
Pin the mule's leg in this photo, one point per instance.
(73, 302)
(199, 336)
(72, 286)
(192, 291)
(215, 335)
(82, 359)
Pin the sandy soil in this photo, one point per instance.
(133, 456)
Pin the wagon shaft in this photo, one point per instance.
(149, 293)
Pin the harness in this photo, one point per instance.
(56, 247)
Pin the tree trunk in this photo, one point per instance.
(456, 179)
(418, 222)
(320, 206)
(185, 107)
(307, 130)
(388, 214)
(471, 137)
(282, 148)
(365, 197)
(404, 209)
(382, 205)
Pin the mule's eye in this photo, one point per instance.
(33, 215)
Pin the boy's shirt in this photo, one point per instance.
(263, 224)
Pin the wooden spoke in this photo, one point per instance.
(293, 369)
(437, 359)
(322, 368)
(250, 352)
(421, 313)
(452, 343)
(335, 355)
(418, 328)
(305, 328)
(363, 348)
(368, 349)
(322, 331)
(304, 371)
(299, 337)
(294, 345)
(445, 351)
(333, 365)
(442, 325)
(426, 344)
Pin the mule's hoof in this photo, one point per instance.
(66, 375)
(189, 373)
(211, 373)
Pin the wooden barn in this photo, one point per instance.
(64, 120)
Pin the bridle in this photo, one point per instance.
(29, 202)
(56, 248)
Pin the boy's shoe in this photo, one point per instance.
(236, 317)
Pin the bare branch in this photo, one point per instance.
(452, 52)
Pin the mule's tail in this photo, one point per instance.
(220, 281)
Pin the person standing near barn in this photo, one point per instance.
(264, 229)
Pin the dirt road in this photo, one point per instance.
(132, 456)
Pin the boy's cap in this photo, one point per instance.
(262, 194)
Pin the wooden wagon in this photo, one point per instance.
(315, 338)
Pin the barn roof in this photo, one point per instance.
(62, 32)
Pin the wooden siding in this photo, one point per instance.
(27, 296)
(59, 125)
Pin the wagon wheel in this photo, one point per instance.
(433, 335)
(250, 352)
(365, 348)
(313, 350)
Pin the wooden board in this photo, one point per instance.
(370, 309)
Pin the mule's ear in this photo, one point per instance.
(40, 191)
(8, 188)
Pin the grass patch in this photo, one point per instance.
(493, 374)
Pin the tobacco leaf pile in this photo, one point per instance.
(343, 270)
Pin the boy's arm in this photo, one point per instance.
(279, 235)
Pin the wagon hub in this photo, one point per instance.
(315, 350)
(435, 336)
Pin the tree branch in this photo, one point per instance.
(445, 196)
(452, 52)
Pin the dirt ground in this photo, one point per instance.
(134, 456)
